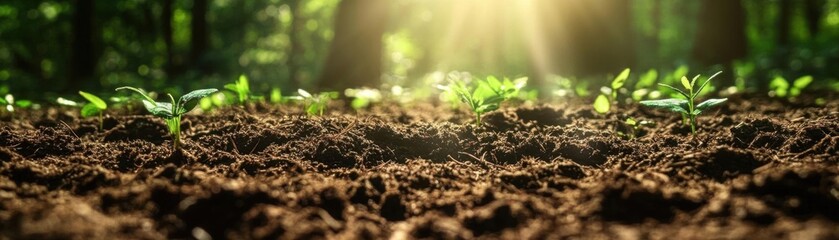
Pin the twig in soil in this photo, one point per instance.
(73, 132)
(481, 160)
(234, 145)
(255, 145)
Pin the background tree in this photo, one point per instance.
(355, 56)
(720, 35)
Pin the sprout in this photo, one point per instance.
(687, 107)
(172, 111)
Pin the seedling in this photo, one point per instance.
(486, 95)
(642, 87)
(10, 103)
(781, 88)
(172, 111)
(95, 106)
(363, 97)
(632, 127)
(315, 103)
(242, 89)
(603, 103)
(687, 106)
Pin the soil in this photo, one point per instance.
(758, 169)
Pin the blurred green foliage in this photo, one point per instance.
(273, 41)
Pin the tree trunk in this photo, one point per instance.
(721, 35)
(199, 34)
(166, 22)
(815, 10)
(784, 21)
(355, 57)
(596, 44)
(83, 53)
(296, 53)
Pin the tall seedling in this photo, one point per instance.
(172, 111)
(687, 106)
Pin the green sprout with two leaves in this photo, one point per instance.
(242, 89)
(687, 106)
(95, 106)
(633, 126)
(603, 102)
(315, 103)
(10, 103)
(484, 95)
(781, 88)
(172, 111)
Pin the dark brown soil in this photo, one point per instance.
(758, 170)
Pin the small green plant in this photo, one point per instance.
(632, 127)
(687, 106)
(315, 103)
(172, 111)
(644, 84)
(603, 102)
(486, 95)
(780, 87)
(363, 97)
(10, 103)
(242, 89)
(95, 106)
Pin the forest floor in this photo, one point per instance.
(758, 169)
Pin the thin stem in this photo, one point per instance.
(100, 121)
(478, 119)
(175, 130)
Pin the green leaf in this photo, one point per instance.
(359, 103)
(675, 89)
(686, 83)
(66, 102)
(98, 102)
(232, 87)
(698, 91)
(3, 101)
(137, 90)
(647, 80)
(160, 109)
(779, 85)
(23, 103)
(675, 105)
(620, 79)
(709, 103)
(802, 82)
(601, 104)
(190, 100)
(304, 93)
(486, 108)
(631, 121)
(89, 110)
(276, 95)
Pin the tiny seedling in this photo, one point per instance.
(687, 106)
(781, 88)
(363, 97)
(632, 126)
(10, 103)
(486, 95)
(644, 84)
(172, 111)
(315, 103)
(95, 106)
(242, 89)
(603, 102)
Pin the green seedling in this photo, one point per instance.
(486, 95)
(172, 111)
(242, 89)
(632, 127)
(781, 88)
(644, 84)
(95, 106)
(315, 103)
(603, 102)
(687, 106)
(363, 97)
(10, 103)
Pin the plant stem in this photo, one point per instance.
(175, 130)
(693, 125)
(100, 121)
(478, 119)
